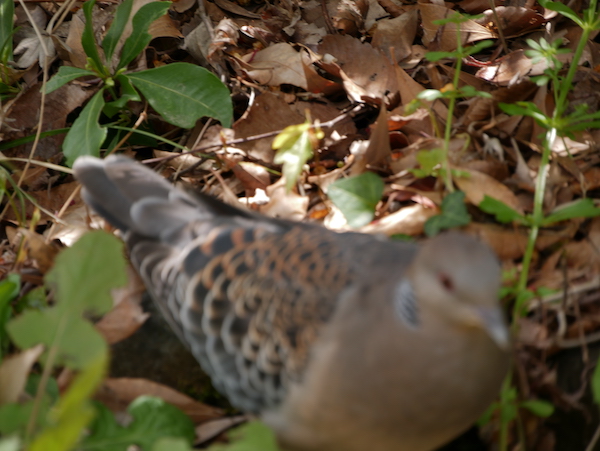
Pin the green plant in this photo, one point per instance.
(181, 93)
(82, 279)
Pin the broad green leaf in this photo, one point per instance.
(85, 274)
(183, 93)
(294, 150)
(86, 135)
(88, 41)
(74, 410)
(454, 214)
(252, 436)
(153, 419)
(428, 160)
(82, 277)
(74, 341)
(501, 211)
(357, 197)
(64, 75)
(140, 38)
(539, 407)
(110, 41)
(583, 208)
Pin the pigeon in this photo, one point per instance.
(338, 341)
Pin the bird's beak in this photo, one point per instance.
(493, 322)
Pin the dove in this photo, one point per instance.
(338, 341)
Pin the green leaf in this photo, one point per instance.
(252, 436)
(74, 340)
(294, 150)
(539, 407)
(64, 75)
(74, 411)
(9, 290)
(478, 47)
(182, 93)
(428, 161)
(436, 56)
(83, 277)
(7, 12)
(86, 135)
(140, 38)
(15, 416)
(501, 211)
(153, 419)
(110, 41)
(454, 214)
(582, 208)
(595, 383)
(357, 197)
(430, 94)
(563, 10)
(128, 93)
(523, 109)
(88, 41)
(85, 274)
(171, 444)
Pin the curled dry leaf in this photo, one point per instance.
(407, 221)
(118, 393)
(477, 185)
(14, 371)
(127, 316)
(210, 429)
(38, 249)
(443, 38)
(283, 204)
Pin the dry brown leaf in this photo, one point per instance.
(378, 148)
(396, 35)
(407, 220)
(38, 249)
(478, 185)
(276, 65)
(269, 112)
(443, 38)
(118, 393)
(14, 371)
(366, 73)
(210, 429)
(127, 315)
(284, 205)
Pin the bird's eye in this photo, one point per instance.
(446, 281)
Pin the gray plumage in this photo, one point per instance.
(340, 341)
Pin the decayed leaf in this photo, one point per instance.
(407, 221)
(118, 393)
(127, 315)
(14, 371)
(477, 185)
(283, 204)
(367, 74)
(436, 37)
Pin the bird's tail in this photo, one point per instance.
(135, 199)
